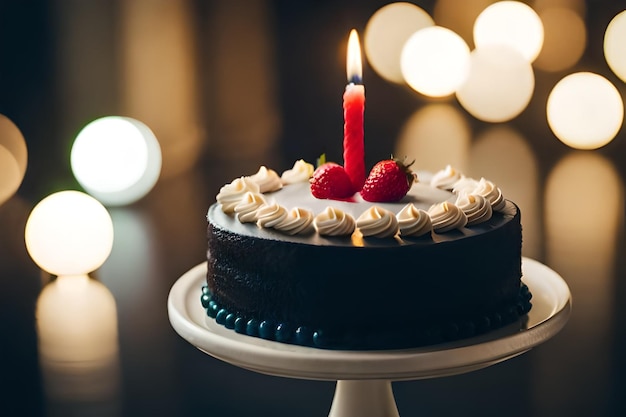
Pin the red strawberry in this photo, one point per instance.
(330, 180)
(389, 180)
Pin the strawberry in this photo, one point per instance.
(388, 181)
(331, 181)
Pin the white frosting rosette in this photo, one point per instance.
(334, 222)
(492, 193)
(267, 180)
(297, 221)
(476, 208)
(446, 216)
(246, 209)
(413, 221)
(230, 194)
(446, 178)
(301, 172)
(377, 222)
(270, 215)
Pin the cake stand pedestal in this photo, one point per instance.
(364, 377)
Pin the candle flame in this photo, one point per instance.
(354, 66)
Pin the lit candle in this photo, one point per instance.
(353, 109)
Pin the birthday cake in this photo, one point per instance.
(369, 270)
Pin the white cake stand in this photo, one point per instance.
(364, 377)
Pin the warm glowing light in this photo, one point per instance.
(585, 111)
(565, 39)
(354, 69)
(116, 159)
(434, 136)
(386, 33)
(69, 233)
(460, 16)
(499, 86)
(510, 23)
(615, 45)
(13, 158)
(435, 61)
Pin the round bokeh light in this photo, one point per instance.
(435, 61)
(499, 86)
(69, 233)
(116, 159)
(585, 111)
(13, 158)
(615, 45)
(510, 23)
(386, 33)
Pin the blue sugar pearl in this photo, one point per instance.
(205, 290)
(212, 309)
(240, 325)
(304, 336)
(252, 327)
(267, 330)
(205, 299)
(220, 318)
(229, 322)
(284, 332)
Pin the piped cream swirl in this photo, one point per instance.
(270, 215)
(492, 193)
(476, 208)
(230, 194)
(301, 172)
(413, 221)
(446, 216)
(267, 180)
(297, 221)
(246, 209)
(377, 222)
(445, 178)
(334, 222)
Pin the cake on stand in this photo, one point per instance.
(364, 377)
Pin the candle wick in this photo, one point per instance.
(355, 79)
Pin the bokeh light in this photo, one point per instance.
(387, 31)
(435, 61)
(434, 136)
(116, 159)
(460, 16)
(13, 158)
(510, 23)
(615, 45)
(69, 233)
(585, 111)
(565, 39)
(499, 86)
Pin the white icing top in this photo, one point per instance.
(247, 207)
(446, 178)
(230, 194)
(267, 180)
(446, 216)
(377, 222)
(492, 193)
(301, 172)
(476, 208)
(270, 215)
(446, 201)
(413, 221)
(334, 222)
(297, 221)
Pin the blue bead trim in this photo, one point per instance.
(321, 338)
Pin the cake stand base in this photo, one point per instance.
(366, 398)
(364, 377)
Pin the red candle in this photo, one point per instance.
(353, 109)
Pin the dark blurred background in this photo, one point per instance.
(227, 86)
